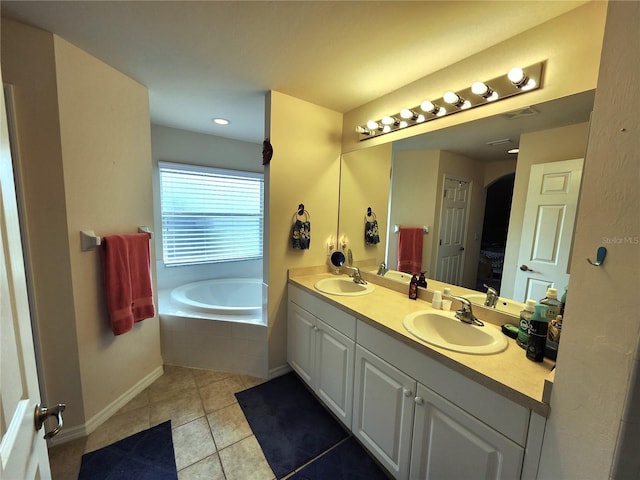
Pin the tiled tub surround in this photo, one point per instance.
(494, 404)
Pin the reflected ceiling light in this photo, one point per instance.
(386, 129)
(513, 150)
(421, 118)
(220, 121)
(403, 124)
(454, 99)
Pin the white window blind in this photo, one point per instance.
(210, 215)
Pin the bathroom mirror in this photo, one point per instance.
(403, 182)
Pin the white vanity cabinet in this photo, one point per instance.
(383, 411)
(320, 348)
(448, 443)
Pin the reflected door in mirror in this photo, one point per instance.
(453, 219)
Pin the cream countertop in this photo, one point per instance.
(508, 373)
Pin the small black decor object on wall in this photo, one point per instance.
(301, 229)
(371, 235)
(267, 152)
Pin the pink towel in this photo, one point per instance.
(410, 249)
(127, 280)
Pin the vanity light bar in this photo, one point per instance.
(517, 81)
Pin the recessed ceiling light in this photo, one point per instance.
(513, 150)
(221, 121)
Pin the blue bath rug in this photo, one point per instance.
(291, 426)
(347, 461)
(147, 455)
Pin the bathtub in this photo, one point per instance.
(215, 324)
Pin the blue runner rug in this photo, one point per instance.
(291, 426)
(147, 455)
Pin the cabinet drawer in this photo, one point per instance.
(336, 318)
(505, 416)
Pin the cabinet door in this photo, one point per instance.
(448, 443)
(301, 342)
(383, 411)
(334, 370)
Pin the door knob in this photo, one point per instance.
(525, 268)
(41, 414)
(462, 249)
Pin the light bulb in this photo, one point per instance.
(493, 97)
(386, 129)
(516, 75)
(531, 84)
(387, 120)
(441, 112)
(403, 124)
(372, 125)
(480, 88)
(427, 106)
(465, 105)
(451, 97)
(420, 118)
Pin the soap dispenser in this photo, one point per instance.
(422, 281)
(413, 287)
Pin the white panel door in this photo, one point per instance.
(450, 444)
(383, 411)
(453, 224)
(301, 342)
(334, 371)
(23, 451)
(547, 229)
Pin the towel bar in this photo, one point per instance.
(396, 228)
(89, 240)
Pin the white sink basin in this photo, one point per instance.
(343, 286)
(503, 305)
(445, 331)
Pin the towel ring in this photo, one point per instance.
(301, 212)
(370, 215)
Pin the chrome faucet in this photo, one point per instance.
(356, 275)
(465, 313)
(492, 296)
(382, 269)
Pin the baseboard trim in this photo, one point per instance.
(279, 371)
(79, 431)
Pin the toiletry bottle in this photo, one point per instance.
(552, 303)
(422, 281)
(563, 300)
(413, 287)
(523, 327)
(538, 326)
(555, 329)
(436, 301)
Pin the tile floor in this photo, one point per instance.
(211, 438)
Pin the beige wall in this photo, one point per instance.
(598, 340)
(28, 63)
(495, 170)
(85, 163)
(364, 183)
(571, 67)
(305, 169)
(553, 145)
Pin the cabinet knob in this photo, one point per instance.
(419, 400)
(407, 392)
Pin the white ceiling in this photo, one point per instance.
(209, 59)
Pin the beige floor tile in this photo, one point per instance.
(245, 461)
(228, 426)
(180, 408)
(207, 469)
(220, 394)
(173, 381)
(206, 377)
(118, 427)
(65, 459)
(139, 401)
(192, 442)
(251, 381)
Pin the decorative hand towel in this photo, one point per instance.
(127, 280)
(371, 235)
(410, 249)
(301, 230)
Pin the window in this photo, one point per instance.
(210, 215)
